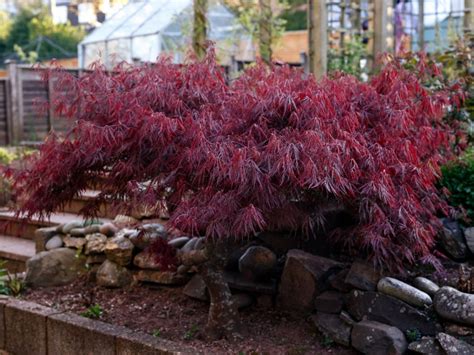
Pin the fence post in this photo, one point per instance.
(468, 18)
(15, 119)
(380, 28)
(318, 37)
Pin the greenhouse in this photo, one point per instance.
(143, 30)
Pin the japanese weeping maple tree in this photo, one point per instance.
(269, 151)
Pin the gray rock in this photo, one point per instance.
(242, 300)
(161, 277)
(157, 228)
(196, 288)
(53, 268)
(363, 276)
(389, 310)
(178, 242)
(426, 285)
(451, 238)
(454, 305)
(404, 292)
(257, 262)
(304, 277)
(426, 345)
(453, 346)
(66, 228)
(119, 250)
(183, 269)
(142, 239)
(74, 242)
(95, 243)
(78, 232)
(200, 243)
(189, 245)
(91, 229)
(469, 236)
(42, 235)
(374, 338)
(330, 302)
(95, 259)
(54, 243)
(108, 229)
(113, 275)
(147, 260)
(237, 282)
(334, 327)
(338, 281)
(125, 220)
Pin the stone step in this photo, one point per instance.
(15, 226)
(15, 251)
(80, 201)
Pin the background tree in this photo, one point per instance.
(262, 20)
(33, 30)
(200, 28)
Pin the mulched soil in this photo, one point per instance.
(174, 316)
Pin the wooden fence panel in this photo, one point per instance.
(3, 112)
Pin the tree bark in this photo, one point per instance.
(223, 319)
(200, 28)
(317, 37)
(265, 30)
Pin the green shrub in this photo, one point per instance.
(6, 157)
(458, 178)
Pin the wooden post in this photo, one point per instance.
(200, 28)
(468, 18)
(265, 30)
(380, 28)
(421, 25)
(15, 116)
(50, 94)
(317, 37)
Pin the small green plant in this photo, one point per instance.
(93, 312)
(327, 342)
(458, 179)
(413, 334)
(156, 333)
(15, 285)
(10, 284)
(191, 333)
(3, 275)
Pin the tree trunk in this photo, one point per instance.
(200, 28)
(223, 319)
(317, 37)
(265, 30)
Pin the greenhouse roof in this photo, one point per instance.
(138, 18)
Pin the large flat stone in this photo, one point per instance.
(454, 305)
(25, 327)
(363, 276)
(374, 338)
(386, 309)
(304, 277)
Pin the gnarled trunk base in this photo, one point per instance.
(223, 319)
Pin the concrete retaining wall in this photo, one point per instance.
(29, 329)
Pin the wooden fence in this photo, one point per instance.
(24, 116)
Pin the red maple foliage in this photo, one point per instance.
(268, 151)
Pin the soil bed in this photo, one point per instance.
(167, 313)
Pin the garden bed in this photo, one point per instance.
(166, 313)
